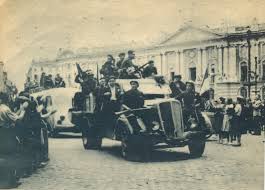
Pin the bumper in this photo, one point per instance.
(175, 142)
(66, 128)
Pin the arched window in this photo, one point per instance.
(243, 71)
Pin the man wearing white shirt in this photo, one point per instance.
(112, 96)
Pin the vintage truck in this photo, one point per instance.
(159, 122)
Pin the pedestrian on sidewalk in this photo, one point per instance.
(227, 121)
(236, 127)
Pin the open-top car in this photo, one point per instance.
(140, 130)
(59, 99)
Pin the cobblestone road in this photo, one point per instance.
(222, 167)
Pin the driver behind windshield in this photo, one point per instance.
(134, 98)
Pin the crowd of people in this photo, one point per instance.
(24, 123)
(238, 117)
(45, 82)
(232, 118)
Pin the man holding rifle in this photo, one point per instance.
(88, 85)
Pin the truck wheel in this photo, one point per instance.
(90, 142)
(127, 149)
(196, 147)
(10, 179)
(133, 149)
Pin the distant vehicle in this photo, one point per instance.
(61, 100)
(141, 130)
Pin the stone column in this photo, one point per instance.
(182, 65)
(220, 60)
(232, 63)
(204, 61)
(254, 53)
(177, 71)
(199, 64)
(226, 61)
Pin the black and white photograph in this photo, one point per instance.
(132, 94)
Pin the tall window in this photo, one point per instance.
(243, 71)
(192, 73)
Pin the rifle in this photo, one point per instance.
(129, 110)
(139, 68)
(79, 70)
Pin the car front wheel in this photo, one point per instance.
(196, 147)
(90, 142)
(133, 149)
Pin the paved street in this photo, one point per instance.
(222, 167)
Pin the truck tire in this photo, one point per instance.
(91, 142)
(10, 178)
(133, 148)
(196, 147)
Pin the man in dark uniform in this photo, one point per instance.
(108, 69)
(128, 68)
(121, 60)
(150, 70)
(177, 86)
(134, 98)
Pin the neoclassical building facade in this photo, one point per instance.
(189, 51)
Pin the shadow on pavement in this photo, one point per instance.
(157, 155)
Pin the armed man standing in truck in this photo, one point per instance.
(128, 69)
(88, 84)
(108, 69)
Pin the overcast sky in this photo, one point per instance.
(38, 28)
